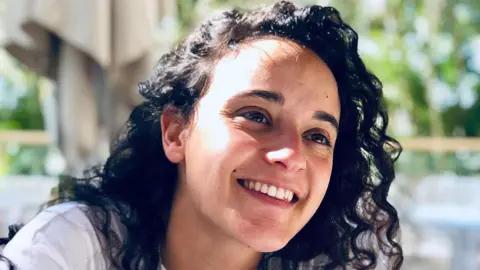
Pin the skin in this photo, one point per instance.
(215, 222)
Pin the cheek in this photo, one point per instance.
(219, 136)
(212, 142)
(212, 134)
(208, 142)
(319, 180)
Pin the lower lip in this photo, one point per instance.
(267, 199)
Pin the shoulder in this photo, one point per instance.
(69, 216)
(59, 237)
(318, 262)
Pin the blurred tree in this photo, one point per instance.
(20, 108)
(424, 53)
(421, 51)
(187, 15)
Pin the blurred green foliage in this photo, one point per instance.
(426, 53)
(20, 109)
(26, 112)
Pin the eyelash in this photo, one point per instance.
(324, 139)
(249, 115)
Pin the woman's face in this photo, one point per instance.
(259, 151)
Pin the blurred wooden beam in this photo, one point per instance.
(415, 144)
(26, 137)
(440, 144)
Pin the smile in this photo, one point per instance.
(269, 190)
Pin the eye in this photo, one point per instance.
(256, 116)
(318, 138)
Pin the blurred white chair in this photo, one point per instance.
(450, 203)
(21, 197)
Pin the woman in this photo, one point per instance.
(261, 145)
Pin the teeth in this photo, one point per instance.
(290, 196)
(270, 190)
(280, 194)
(264, 188)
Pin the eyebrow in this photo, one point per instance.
(270, 96)
(278, 98)
(324, 116)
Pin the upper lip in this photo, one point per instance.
(278, 184)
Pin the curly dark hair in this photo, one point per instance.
(355, 224)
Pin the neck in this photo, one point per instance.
(192, 243)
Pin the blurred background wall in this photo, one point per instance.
(68, 71)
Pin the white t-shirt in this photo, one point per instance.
(61, 237)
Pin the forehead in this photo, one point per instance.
(275, 65)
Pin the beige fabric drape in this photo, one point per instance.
(96, 51)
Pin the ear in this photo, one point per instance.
(173, 135)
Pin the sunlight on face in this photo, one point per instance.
(269, 118)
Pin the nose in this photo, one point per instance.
(287, 154)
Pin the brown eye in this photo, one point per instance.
(318, 138)
(256, 117)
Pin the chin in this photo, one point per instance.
(265, 242)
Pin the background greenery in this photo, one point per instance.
(426, 52)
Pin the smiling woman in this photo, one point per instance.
(268, 136)
(261, 145)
